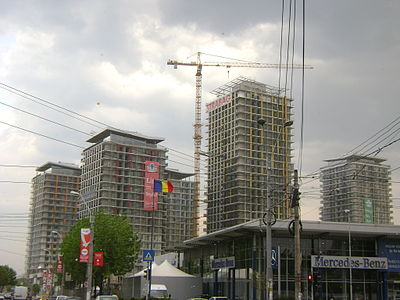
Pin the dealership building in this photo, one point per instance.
(339, 261)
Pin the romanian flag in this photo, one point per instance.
(163, 186)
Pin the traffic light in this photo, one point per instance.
(147, 274)
(310, 278)
(295, 197)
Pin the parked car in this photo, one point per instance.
(219, 298)
(61, 297)
(107, 297)
(72, 298)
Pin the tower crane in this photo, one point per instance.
(197, 136)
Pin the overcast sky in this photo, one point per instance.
(107, 60)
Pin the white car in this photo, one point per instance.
(107, 297)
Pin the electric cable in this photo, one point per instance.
(395, 133)
(301, 147)
(17, 166)
(11, 181)
(45, 119)
(281, 46)
(374, 135)
(288, 45)
(27, 95)
(42, 135)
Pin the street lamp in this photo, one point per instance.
(347, 211)
(89, 268)
(268, 221)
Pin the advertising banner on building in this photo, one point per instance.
(347, 262)
(59, 264)
(85, 244)
(391, 250)
(368, 211)
(98, 259)
(151, 174)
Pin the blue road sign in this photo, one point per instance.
(148, 255)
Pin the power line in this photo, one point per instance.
(301, 148)
(62, 110)
(42, 135)
(374, 135)
(14, 240)
(17, 166)
(10, 181)
(30, 96)
(12, 252)
(45, 119)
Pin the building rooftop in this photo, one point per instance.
(178, 174)
(49, 165)
(230, 86)
(356, 157)
(99, 137)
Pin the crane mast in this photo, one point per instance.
(197, 136)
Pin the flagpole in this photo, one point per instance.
(151, 244)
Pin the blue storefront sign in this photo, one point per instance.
(226, 262)
(391, 250)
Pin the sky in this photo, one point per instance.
(106, 60)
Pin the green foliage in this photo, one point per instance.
(7, 276)
(35, 289)
(114, 236)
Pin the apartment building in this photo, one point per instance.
(249, 150)
(114, 171)
(53, 211)
(356, 189)
(179, 208)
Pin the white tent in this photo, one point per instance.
(180, 285)
(165, 269)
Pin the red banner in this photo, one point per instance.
(98, 259)
(151, 173)
(59, 264)
(85, 245)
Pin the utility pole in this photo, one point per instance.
(297, 244)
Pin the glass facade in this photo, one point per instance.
(246, 280)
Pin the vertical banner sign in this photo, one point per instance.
(368, 211)
(98, 260)
(59, 264)
(85, 244)
(151, 173)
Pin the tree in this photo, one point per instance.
(114, 236)
(7, 276)
(35, 289)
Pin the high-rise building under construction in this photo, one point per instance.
(247, 158)
(114, 181)
(356, 189)
(53, 211)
